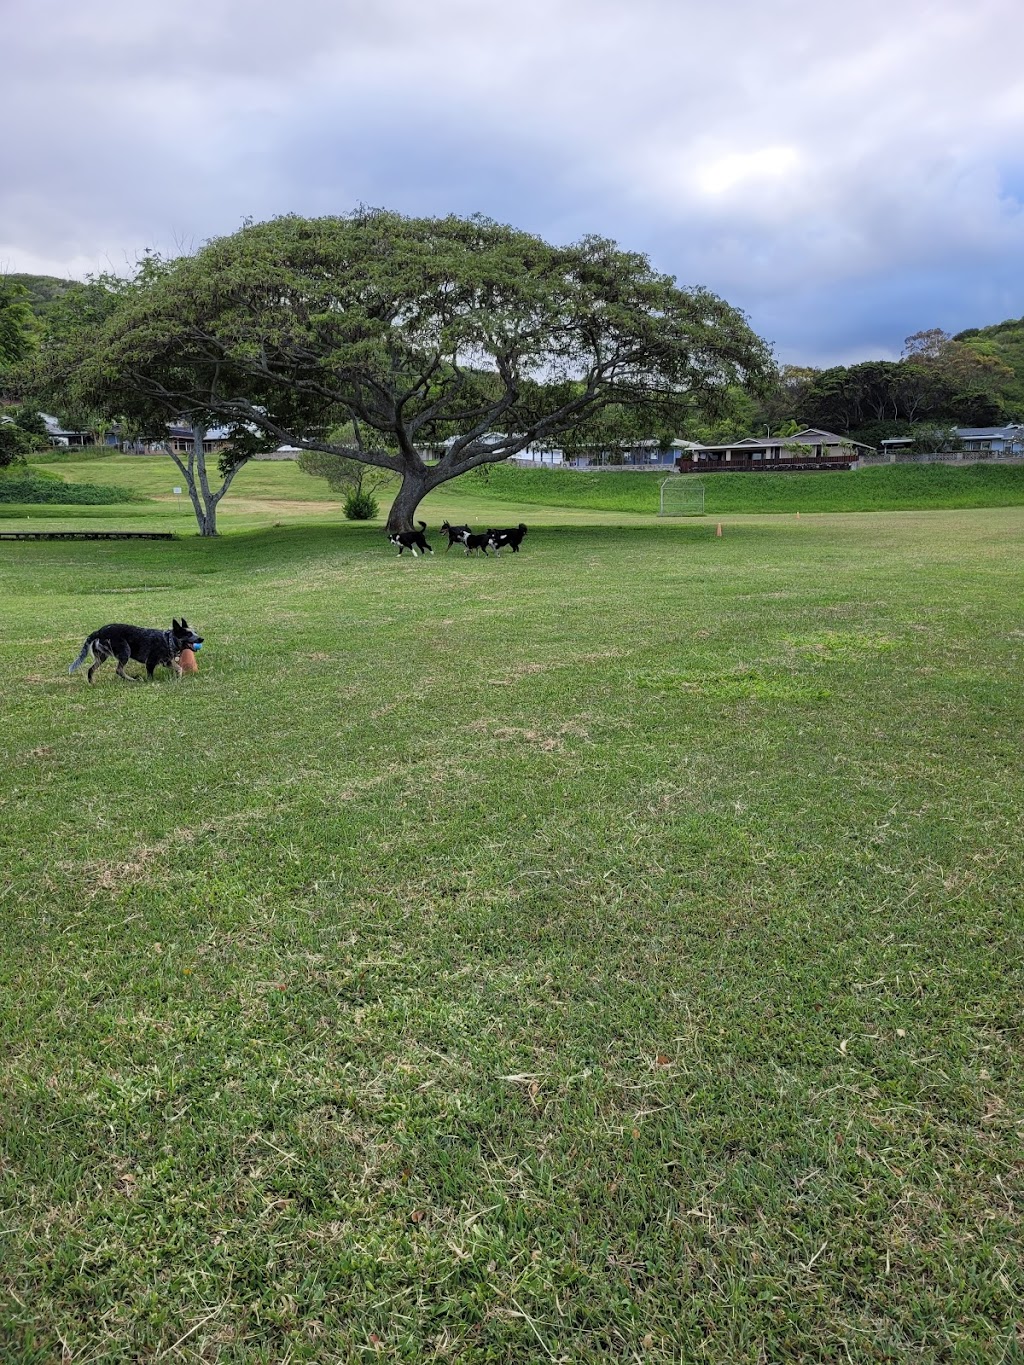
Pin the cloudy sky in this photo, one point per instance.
(847, 174)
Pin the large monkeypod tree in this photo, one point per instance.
(433, 345)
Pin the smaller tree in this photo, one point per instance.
(15, 444)
(119, 388)
(358, 483)
(30, 421)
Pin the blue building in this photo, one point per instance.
(1007, 440)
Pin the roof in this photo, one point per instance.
(1013, 432)
(810, 436)
(212, 433)
(54, 428)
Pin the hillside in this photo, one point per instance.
(882, 488)
(43, 291)
(1004, 341)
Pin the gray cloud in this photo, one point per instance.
(845, 175)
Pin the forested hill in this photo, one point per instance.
(43, 291)
(1005, 342)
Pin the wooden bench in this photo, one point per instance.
(87, 535)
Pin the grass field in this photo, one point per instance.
(881, 488)
(271, 490)
(609, 952)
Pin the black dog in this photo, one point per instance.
(454, 534)
(411, 540)
(475, 541)
(149, 647)
(511, 536)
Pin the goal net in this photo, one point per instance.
(681, 496)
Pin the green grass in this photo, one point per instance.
(880, 488)
(72, 455)
(265, 491)
(609, 952)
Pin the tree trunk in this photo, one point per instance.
(415, 487)
(208, 517)
(204, 502)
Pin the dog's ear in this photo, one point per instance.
(184, 624)
(174, 624)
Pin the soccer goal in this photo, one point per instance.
(681, 496)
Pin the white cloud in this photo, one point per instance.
(747, 171)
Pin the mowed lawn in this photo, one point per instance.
(608, 952)
(275, 494)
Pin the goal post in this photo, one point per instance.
(681, 496)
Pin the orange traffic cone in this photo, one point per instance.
(188, 661)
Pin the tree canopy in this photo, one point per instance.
(938, 380)
(1003, 342)
(16, 323)
(421, 336)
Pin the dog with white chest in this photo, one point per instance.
(510, 538)
(415, 541)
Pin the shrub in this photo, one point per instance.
(30, 421)
(35, 488)
(15, 444)
(361, 506)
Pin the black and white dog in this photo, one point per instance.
(510, 536)
(411, 540)
(475, 541)
(149, 647)
(454, 534)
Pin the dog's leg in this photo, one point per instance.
(100, 655)
(176, 669)
(124, 656)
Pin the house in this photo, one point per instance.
(1008, 440)
(531, 454)
(812, 448)
(534, 455)
(648, 454)
(181, 439)
(62, 437)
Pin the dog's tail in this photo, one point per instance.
(423, 525)
(82, 657)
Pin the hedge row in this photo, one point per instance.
(30, 488)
